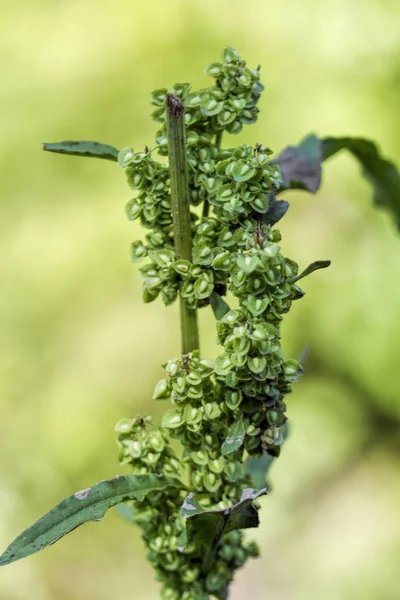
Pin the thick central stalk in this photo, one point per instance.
(181, 210)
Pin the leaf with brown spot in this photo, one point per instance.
(87, 505)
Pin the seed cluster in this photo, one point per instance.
(145, 448)
(233, 407)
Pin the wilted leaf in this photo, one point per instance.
(315, 266)
(206, 527)
(83, 148)
(277, 209)
(301, 165)
(219, 306)
(236, 433)
(87, 505)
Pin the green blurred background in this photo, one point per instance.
(78, 348)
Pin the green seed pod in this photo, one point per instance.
(247, 263)
(238, 360)
(208, 439)
(213, 69)
(158, 97)
(172, 419)
(156, 544)
(211, 410)
(239, 557)
(217, 465)
(169, 593)
(190, 575)
(272, 417)
(171, 561)
(242, 171)
(194, 392)
(246, 78)
(182, 266)
(124, 426)
(133, 209)
(234, 471)
(192, 415)
(225, 193)
(256, 306)
(210, 105)
(233, 398)
(235, 127)
(252, 430)
(125, 156)
(292, 370)
(231, 379)
(194, 378)
(200, 457)
(257, 364)
(202, 253)
(193, 100)
(156, 441)
(230, 55)
(187, 289)
(226, 116)
(151, 458)
(133, 448)
(204, 286)
(172, 466)
(161, 390)
(225, 238)
(260, 203)
(179, 384)
(138, 251)
(181, 89)
(215, 582)
(252, 549)
(237, 103)
(196, 479)
(211, 482)
(222, 261)
(210, 184)
(222, 364)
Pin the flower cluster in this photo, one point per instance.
(235, 182)
(201, 423)
(231, 408)
(255, 376)
(145, 447)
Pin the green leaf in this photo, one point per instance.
(87, 505)
(301, 165)
(381, 173)
(219, 306)
(235, 437)
(206, 527)
(315, 266)
(84, 148)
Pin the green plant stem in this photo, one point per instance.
(181, 211)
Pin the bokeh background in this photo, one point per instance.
(78, 348)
